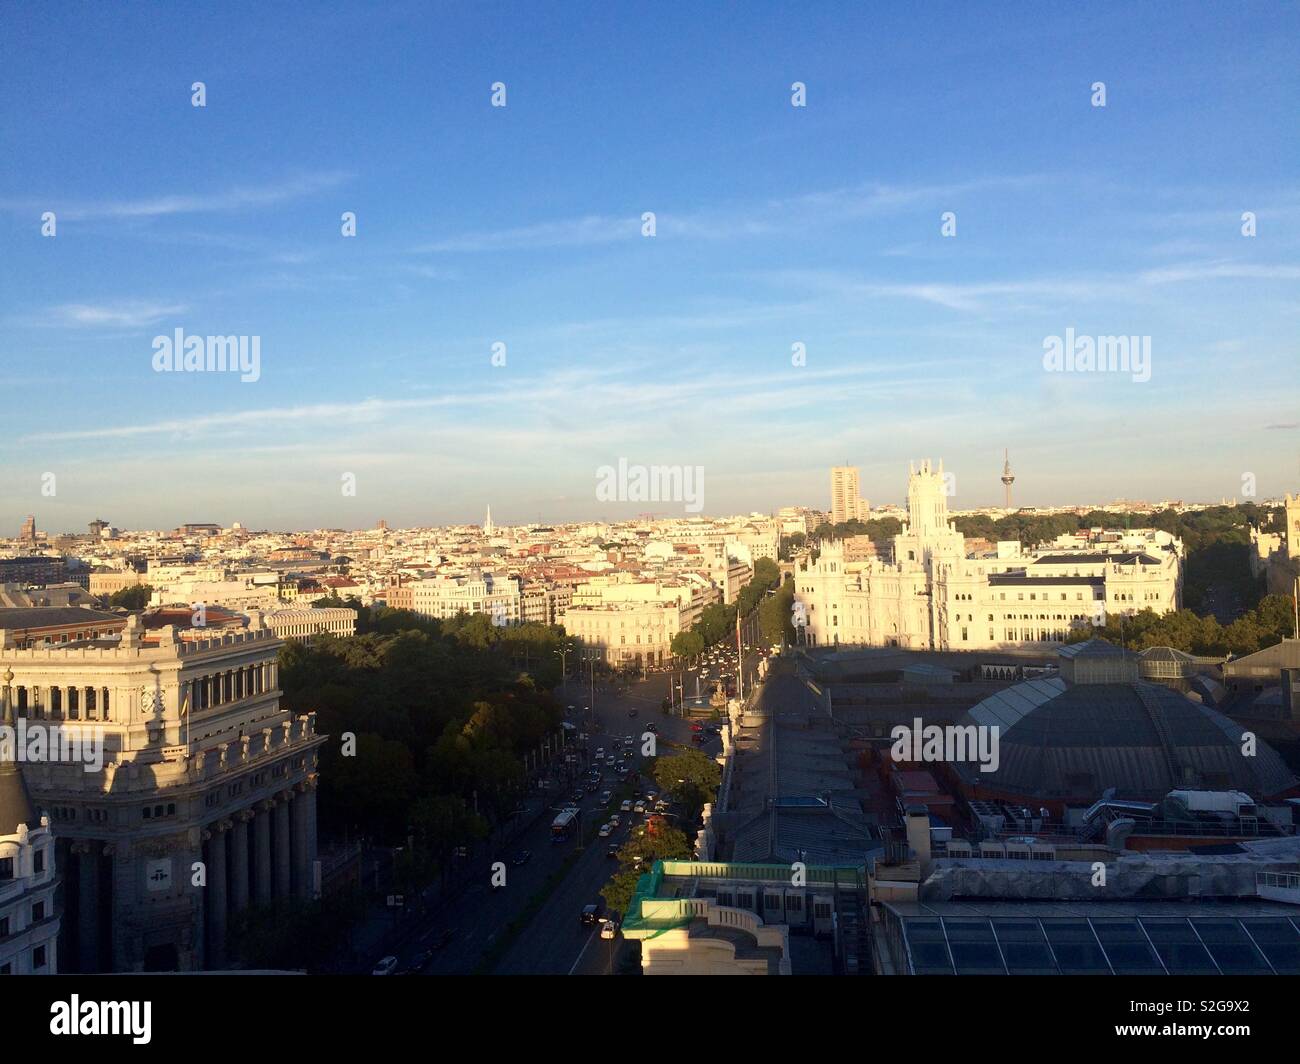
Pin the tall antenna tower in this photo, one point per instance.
(1008, 478)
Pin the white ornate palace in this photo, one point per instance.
(205, 802)
(933, 596)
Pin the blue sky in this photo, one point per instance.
(776, 225)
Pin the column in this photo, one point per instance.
(313, 843)
(281, 845)
(87, 852)
(239, 861)
(215, 893)
(304, 847)
(262, 852)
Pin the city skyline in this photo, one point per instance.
(781, 233)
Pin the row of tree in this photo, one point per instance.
(1266, 624)
(690, 779)
(430, 722)
(718, 621)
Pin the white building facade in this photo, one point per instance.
(932, 596)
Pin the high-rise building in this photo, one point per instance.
(847, 503)
(28, 534)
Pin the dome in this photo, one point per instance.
(1070, 742)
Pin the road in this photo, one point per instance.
(553, 941)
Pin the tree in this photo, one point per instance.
(135, 597)
(691, 778)
(775, 616)
(687, 644)
(663, 843)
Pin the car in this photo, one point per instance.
(611, 851)
(605, 797)
(625, 806)
(652, 727)
(590, 914)
(697, 726)
(600, 752)
(628, 755)
(608, 929)
(632, 713)
(697, 737)
(577, 797)
(661, 807)
(386, 966)
(649, 797)
(615, 820)
(521, 858)
(605, 830)
(639, 807)
(592, 785)
(441, 939)
(420, 961)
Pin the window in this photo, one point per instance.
(38, 911)
(38, 957)
(6, 868)
(38, 861)
(4, 927)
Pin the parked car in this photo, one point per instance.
(611, 851)
(615, 820)
(386, 966)
(639, 807)
(625, 806)
(652, 727)
(605, 830)
(605, 797)
(590, 914)
(608, 929)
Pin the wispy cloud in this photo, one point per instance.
(125, 315)
(729, 221)
(613, 396)
(231, 199)
(1213, 271)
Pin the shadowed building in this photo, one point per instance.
(200, 801)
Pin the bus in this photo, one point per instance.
(562, 826)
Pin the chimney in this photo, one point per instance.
(918, 833)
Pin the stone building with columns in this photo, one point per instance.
(203, 800)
